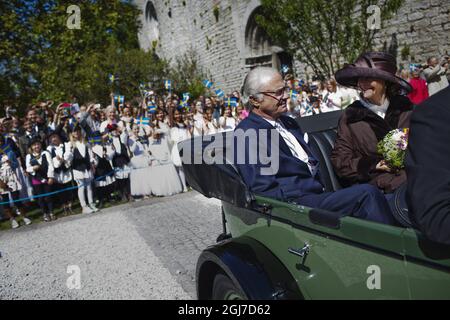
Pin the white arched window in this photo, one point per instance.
(151, 25)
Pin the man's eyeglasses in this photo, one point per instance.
(277, 94)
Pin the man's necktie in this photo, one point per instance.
(286, 138)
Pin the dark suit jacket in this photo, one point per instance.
(292, 179)
(24, 141)
(428, 168)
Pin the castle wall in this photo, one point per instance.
(423, 26)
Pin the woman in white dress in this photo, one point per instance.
(126, 121)
(142, 172)
(210, 125)
(178, 133)
(165, 180)
(333, 99)
(80, 156)
(111, 118)
(198, 119)
(227, 122)
(62, 172)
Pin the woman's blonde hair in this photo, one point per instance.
(332, 82)
(110, 109)
(30, 147)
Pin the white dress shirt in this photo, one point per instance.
(293, 144)
(378, 110)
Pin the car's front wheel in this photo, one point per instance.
(225, 289)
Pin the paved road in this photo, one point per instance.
(145, 250)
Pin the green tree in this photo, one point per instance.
(106, 26)
(323, 33)
(131, 68)
(17, 48)
(40, 56)
(187, 75)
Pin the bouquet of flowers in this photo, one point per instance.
(393, 148)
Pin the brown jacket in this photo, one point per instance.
(355, 154)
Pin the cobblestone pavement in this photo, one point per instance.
(144, 250)
(178, 231)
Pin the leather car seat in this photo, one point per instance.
(322, 144)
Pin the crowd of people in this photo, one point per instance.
(427, 79)
(123, 152)
(128, 150)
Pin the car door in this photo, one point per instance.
(356, 260)
(427, 267)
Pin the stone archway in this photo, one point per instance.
(151, 24)
(258, 46)
(259, 49)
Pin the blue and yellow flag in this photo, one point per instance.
(184, 105)
(96, 140)
(208, 84)
(152, 108)
(293, 94)
(168, 84)
(143, 121)
(220, 93)
(5, 149)
(414, 67)
(231, 102)
(119, 100)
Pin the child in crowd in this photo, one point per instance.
(79, 154)
(62, 172)
(120, 161)
(10, 187)
(104, 172)
(39, 165)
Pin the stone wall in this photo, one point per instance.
(423, 26)
(216, 31)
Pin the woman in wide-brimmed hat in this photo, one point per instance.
(382, 108)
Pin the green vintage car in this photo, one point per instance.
(271, 250)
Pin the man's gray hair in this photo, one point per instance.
(253, 83)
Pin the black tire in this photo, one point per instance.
(225, 289)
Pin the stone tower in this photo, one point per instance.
(228, 41)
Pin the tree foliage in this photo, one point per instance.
(130, 68)
(323, 33)
(41, 58)
(188, 76)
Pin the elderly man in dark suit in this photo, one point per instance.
(296, 178)
(428, 168)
